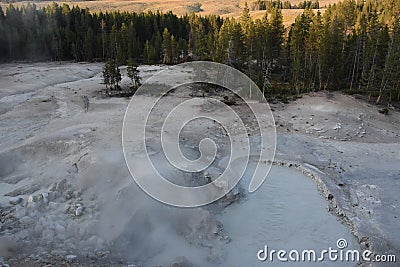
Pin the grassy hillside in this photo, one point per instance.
(230, 8)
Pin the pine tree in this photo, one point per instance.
(3, 41)
(149, 53)
(297, 43)
(313, 43)
(223, 42)
(264, 41)
(90, 45)
(332, 43)
(107, 74)
(266, 80)
(197, 41)
(166, 47)
(174, 50)
(237, 46)
(245, 18)
(111, 75)
(277, 32)
(103, 36)
(133, 74)
(390, 78)
(249, 33)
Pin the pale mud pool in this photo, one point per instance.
(287, 212)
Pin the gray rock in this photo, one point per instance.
(32, 207)
(60, 230)
(52, 187)
(71, 244)
(39, 199)
(23, 234)
(181, 262)
(66, 209)
(94, 241)
(53, 195)
(38, 229)
(20, 212)
(68, 195)
(15, 200)
(32, 199)
(71, 257)
(77, 194)
(26, 220)
(48, 234)
(81, 231)
(53, 205)
(61, 185)
(58, 252)
(45, 197)
(233, 195)
(102, 253)
(79, 211)
(73, 229)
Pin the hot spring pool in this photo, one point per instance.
(286, 213)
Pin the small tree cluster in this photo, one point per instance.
(133, 74)
(111, 75)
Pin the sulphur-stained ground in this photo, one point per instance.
(67, 198)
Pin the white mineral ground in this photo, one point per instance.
(67, 198)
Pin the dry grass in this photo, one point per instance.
(289, 15)
(322, 3)
(179, 7)
(230, 8)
